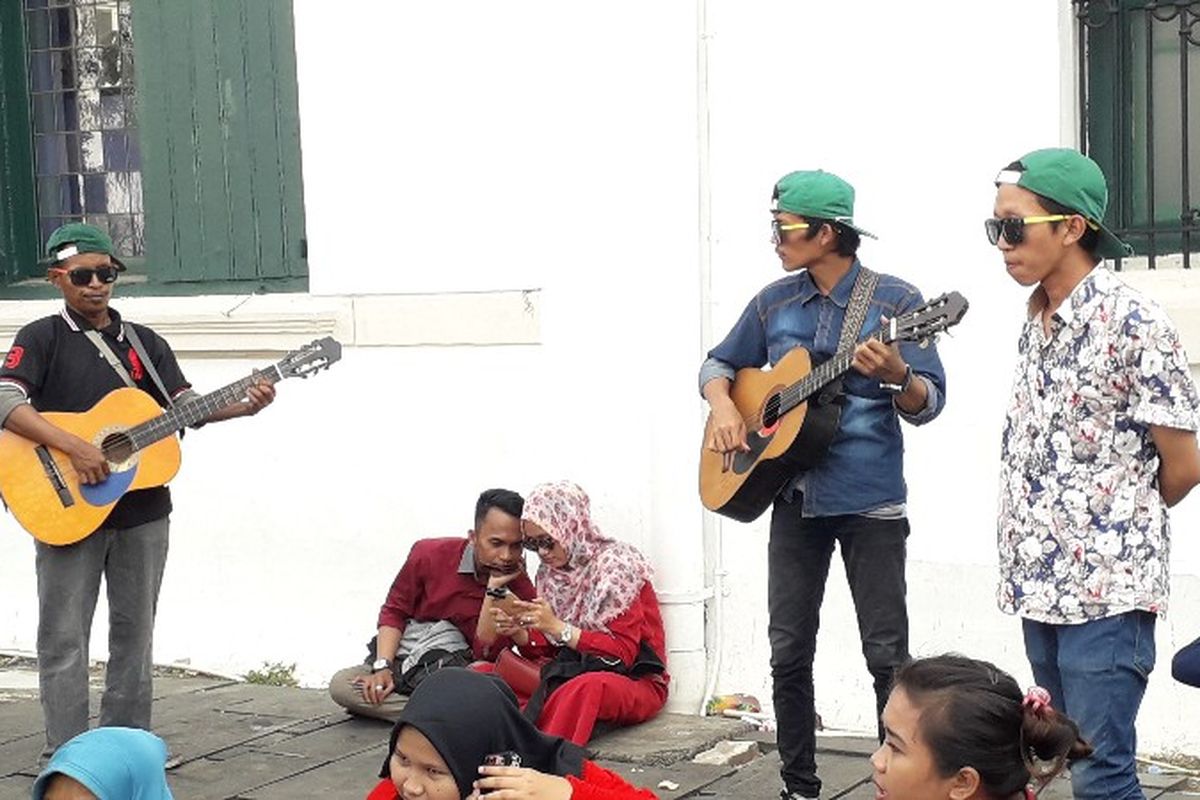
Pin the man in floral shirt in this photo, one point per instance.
(1099, 441)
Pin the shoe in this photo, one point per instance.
(786, 795)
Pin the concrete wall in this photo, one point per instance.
(527, 222)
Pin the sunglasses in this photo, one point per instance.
(1013, 228)
(82, 276)
(538, 543)
(777, 230)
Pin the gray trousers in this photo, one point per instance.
(68, 580)
(350, 697)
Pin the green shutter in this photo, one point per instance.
(18, 221)
(220, 138)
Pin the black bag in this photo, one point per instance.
(569, 663)
(429, 662)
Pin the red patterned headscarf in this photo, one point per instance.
(602, 576)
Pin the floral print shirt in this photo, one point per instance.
(1083, 530)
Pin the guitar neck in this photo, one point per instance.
(822, 375)
(184, 414)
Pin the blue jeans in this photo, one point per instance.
(131, 561)
(873, 552)
(1096, 674)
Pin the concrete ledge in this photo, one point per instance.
(231, 325)
(666, 739)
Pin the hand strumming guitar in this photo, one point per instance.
(726, 428)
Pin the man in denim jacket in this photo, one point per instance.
(855, 495)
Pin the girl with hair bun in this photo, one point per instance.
(962, 729)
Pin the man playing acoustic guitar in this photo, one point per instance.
(62, 363)
(855, 494)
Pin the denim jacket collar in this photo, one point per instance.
(841, 290)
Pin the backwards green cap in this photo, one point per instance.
(817, 193)
(77, 237)
(1069, 178)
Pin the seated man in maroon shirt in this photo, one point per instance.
(435, 603)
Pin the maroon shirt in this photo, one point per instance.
(437, 582)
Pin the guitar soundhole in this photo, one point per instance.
(770, 412)
(117, 447)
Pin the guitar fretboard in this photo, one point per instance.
(184, 414)
(821, 375)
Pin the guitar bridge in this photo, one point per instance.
(55, 476)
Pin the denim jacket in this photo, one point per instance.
(863, 469)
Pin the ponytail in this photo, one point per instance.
(973, 714)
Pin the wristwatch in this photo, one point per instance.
(564, 638)
(902, 387)
(380, 663)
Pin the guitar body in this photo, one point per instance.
(39, 484)
(796, 442)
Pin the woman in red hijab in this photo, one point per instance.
(596, 616)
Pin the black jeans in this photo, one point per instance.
(873, 551)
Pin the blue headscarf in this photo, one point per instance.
(113, 763)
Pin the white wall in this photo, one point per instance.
(561, 147)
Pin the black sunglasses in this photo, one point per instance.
(538, 543)
(1013, 228)
(82, 276)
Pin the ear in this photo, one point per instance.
(964, 784)
(472, 535)
(1074, 229)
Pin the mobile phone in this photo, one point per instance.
(504, 599)
(508, 758)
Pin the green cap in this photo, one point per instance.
(77, 237)
(817, 193)
(1069, 178)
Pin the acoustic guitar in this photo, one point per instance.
(792, 413)
(39, 485)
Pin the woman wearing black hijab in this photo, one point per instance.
(455, 719)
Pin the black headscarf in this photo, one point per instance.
(467, 715)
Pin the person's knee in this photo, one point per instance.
(342, 689)
(884, 657)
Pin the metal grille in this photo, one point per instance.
(1139, 70)
(81, 85)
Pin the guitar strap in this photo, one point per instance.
(119, 368)
(147, 364)
(856, 309)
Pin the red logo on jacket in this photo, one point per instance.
(14, 357)
(136, 363)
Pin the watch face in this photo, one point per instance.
(380, 664)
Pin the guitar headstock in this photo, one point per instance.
(930, 319)
(311, 358)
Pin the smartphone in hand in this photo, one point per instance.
(508, 758)
(504, 599)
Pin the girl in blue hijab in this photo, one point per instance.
(106, 764)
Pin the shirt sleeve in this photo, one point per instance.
(744, 346)
(623, 638)
(27, 360)
(1161, 389)
(405, 594)
(597, 783)
(926, 366)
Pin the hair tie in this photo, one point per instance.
(1036, 700)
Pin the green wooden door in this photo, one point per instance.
(18, 220)
(220, 138)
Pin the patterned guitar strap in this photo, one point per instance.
(856, 309)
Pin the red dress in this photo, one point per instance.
(573, 709)
(596, 783)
